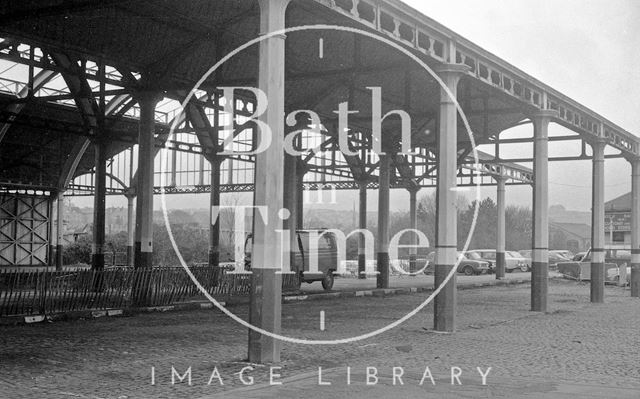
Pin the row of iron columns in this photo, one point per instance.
(276, 190)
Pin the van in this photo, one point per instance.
(327, 257)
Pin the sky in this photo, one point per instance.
(586, 49)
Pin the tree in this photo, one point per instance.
(519, 227)
(78, 251)
(484, 235)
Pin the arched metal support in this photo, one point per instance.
(41, 79)
(88, 108)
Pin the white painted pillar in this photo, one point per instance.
(143, 257)
(540, 250)
(597, 223)
(446, 212)
(266, 288)
(384, 181)
(635, 228)
(501, 234)
(362, 224)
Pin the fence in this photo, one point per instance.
(48, 292)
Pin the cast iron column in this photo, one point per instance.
(143, 257)
(60, 231)
(290, 202)
(99, 203)
(214, 201)
(301, 169)
(597, 223)
(362, 224)
(501, 229)
(266, 288)
(635, 228)
(540, 247)
(383, 221)
(446, 212)
(130, 228)
(413, 224)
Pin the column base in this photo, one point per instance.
(97, 261)
(265, 312)
(597, 282)
(500, 265)
(362, 266)
(412, 263)
(130, 255)
(382, 280)
(59, 257)
(444, 304)
(97, 265)
(635, 280)
(142, 260)
(214, 258)
(539, 286)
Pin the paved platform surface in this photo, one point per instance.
(575, 350)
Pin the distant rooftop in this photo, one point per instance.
(621, 203)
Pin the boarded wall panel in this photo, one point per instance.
(24, 229)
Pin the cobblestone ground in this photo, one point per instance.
(575, 342)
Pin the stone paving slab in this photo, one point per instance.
(572, 347)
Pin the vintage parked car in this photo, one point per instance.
(525, 252)
(430, 263)
(555, 258)
(327, 258)
(565, 253)
(524, 260)
(470, 264)
(613, 274)
(578, 257)
(580, 267)
(512, 262)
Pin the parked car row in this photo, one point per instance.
(579, 267)
(473, 261)
(555, 256)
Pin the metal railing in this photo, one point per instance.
(49, 292)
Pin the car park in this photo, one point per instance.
(513, 260)
(469, 264)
